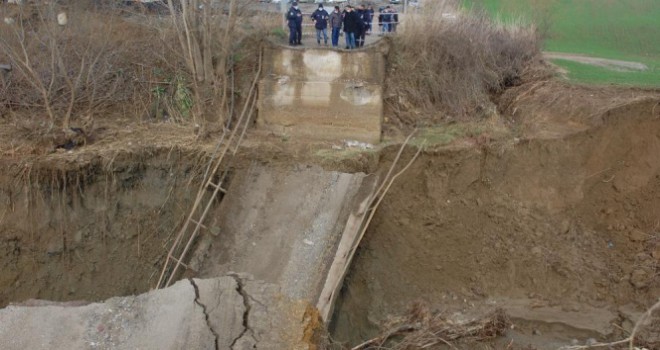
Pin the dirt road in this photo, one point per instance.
(617, 65)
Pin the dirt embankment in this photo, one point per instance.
(89, 232)
(558, 225)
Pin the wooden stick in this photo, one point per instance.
(641, 320)
(348, 245)
(383, 338)
(630, 340)
(217, 189)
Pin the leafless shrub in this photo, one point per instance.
(186, 63)
(81, 68)
(213, 38)
(446, 63)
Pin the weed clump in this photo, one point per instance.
(447, 63)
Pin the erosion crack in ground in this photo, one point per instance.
(246, 313)
(206, 315)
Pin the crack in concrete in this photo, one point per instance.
(206, 315)
(246, 304)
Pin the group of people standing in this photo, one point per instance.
(356, 24)
(388, 19)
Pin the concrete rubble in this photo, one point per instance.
(229, 312)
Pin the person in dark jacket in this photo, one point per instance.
(395, 20)
(370, 21)
(320, 18)
(387, 19)
(381, 21)
(335, 23)
(363, 15)
(351, 26)
(294, 20)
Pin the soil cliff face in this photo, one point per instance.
(88, 232)
(569, 223)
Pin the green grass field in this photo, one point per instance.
(615, 29)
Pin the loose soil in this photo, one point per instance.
(559, 225)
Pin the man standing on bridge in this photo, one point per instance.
(294, 20)
(335, 23)
(320, 18)
(351, 26)
(363, 15)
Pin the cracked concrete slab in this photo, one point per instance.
(224, 308)
(259, 314)
(163, 319)
(229, 312)
(258, 235)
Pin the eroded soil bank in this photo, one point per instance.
(90, 232)
(562, 232)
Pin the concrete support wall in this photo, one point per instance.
(261, 237)
(323, 93)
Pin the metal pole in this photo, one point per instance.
(283, 13)
(405, 6)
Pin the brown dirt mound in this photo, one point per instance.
(565, 224)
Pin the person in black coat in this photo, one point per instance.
(381, 21)
(395, 20)
(294, 20)
(320, 18)
(363, 15)
(370, 20)
(351, 26)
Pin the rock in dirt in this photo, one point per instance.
(640, 278)
(656, 253)
(637, 235)
(56, 246)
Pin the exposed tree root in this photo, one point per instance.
(421, 329)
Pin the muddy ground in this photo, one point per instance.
(556, 218)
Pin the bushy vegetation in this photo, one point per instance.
(179, 64)
(448, 68)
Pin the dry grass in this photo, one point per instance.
(74, 71)
(127, 62)
(448, 69)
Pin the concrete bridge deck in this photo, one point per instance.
(322, 93)
(282, 226)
